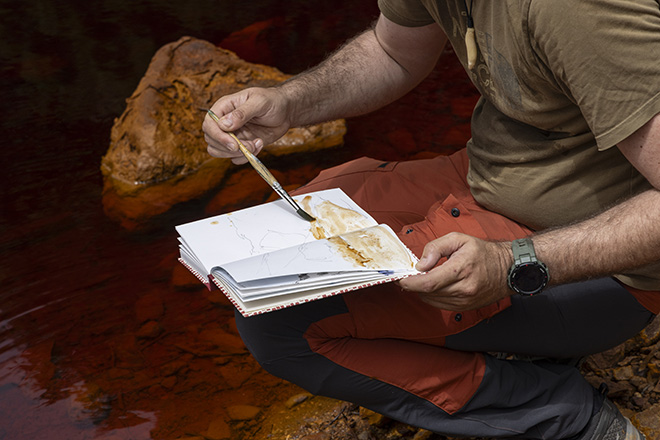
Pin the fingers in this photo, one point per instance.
(471, 277)
(221, 144)
(216, 138)
(438, 279)
(224, 146)
(236, 118)
(252, 115)
(448, 288)
(440, 248)
(443, 295)
(217, 149)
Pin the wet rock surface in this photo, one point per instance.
(157, 155)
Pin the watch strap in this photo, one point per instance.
(524, 256)
(523, 251)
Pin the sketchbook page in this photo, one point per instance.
(375, 248)
(338, 285)
(189, 258)
(311, 279)
(261, 229)
(298, 283)
(271, 304)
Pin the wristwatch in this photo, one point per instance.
(527, 276)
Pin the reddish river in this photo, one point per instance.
(102, 336)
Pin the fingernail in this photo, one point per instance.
(422, 263)
(225, 122)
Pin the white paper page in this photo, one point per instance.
(290, 280)
(309, 283)
(271, 303)
(359, 278)
(295, 290)
(327, 256)
(189, 258)
(218, 240)
(192, 262)
(313, 257)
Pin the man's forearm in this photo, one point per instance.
(362, 76)
(623, 237)
(357, 79)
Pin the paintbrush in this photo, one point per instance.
(263, 172)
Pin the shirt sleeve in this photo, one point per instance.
(410, 13)
(606, 54)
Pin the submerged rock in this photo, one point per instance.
(649, 422)
(218, 430)
(157, 155)
(243, 412)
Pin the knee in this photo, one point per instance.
(281, 351)
(269, 339)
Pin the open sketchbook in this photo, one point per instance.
(266, 257)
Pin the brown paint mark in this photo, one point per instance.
(355, 237)
(332, 220)
(373, 248)
(349, 253)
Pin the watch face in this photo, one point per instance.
(529, 278)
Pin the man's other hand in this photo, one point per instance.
(473, 275)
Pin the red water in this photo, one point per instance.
(102, 336)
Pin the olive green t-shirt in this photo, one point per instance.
(562, 82)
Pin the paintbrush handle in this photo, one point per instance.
(263, 172)
(256, 163)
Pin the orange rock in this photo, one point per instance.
(169, 382)
(243, 412)
(157, 155)
(227, 342)
(648, 422)
(218, 430)
(303, 173)
(149, 330)
(235, 375)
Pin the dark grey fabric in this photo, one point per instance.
(565, 321)
(516, 399)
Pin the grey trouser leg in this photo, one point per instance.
(563, 322)
(516, 399)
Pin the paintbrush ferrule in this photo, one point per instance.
(263, 171)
